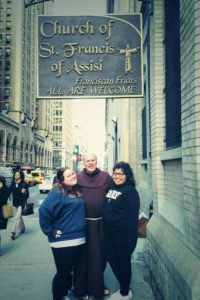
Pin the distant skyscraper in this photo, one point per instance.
(25, 138)
(62, 133)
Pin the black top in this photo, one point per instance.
(120, 212)
(4, 194)
(19, 198)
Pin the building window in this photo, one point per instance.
(8, 25)
(57, 144)
(0, 65)
(0, 92)
(8, 11)
(7, 65)
(172, 74)
(110, 6)
(7, 52)
(0, 52)
(144, 134)
(1, 25)
(7, 78)
(9, 1)
(6, 92)
(1, 12)
(0, 79)
(1, 38)
(8, 38)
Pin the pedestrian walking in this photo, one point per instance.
(4, 194)
(120, 218)
(20, 193)
(62, 219)
(94, 184)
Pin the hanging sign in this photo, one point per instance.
(90, 56)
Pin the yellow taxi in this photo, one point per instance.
(38, 175)
(29, 179)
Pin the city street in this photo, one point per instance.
(27, 267)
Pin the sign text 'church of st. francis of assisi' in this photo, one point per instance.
(90, 56)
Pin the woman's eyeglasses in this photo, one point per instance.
(118, 174)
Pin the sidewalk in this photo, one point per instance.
(27, 267)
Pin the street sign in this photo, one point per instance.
(90, 56)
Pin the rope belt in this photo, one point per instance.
(94, 219)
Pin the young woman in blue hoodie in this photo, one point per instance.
(62, 219)
(120, 218)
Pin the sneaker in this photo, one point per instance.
(21, 231)
(130, 295)
(118, 296)
(13, 236)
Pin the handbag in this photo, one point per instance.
(8, 210)
(28, 209)
(3, 224)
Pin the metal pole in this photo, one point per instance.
(5, 148)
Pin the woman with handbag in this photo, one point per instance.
(62, 219)
(20, 193)
(4, 194)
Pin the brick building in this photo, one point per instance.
(164, 141)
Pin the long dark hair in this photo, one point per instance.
(62, 186)
(127, 171)
(3, 180)
(21, 175)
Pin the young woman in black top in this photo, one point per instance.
(20, 193)
(120, 218)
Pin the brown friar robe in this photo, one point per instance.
(93, 188)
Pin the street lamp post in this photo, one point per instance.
(4, 157)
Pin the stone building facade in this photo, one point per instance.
(164, 142)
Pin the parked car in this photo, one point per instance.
(39, 175)
(45, 185)
(29, 179)
(7, 173)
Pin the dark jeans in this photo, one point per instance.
(66, 260)
(119, 259)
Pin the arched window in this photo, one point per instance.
(26, 153)
(14, 148)
(8, 147)
(21, 151)
(31, 154)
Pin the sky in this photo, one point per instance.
(89, 114)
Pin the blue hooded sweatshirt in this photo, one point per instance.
(61, 212)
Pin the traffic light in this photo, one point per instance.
(79, 157)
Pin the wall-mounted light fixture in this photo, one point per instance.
(114, 119)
